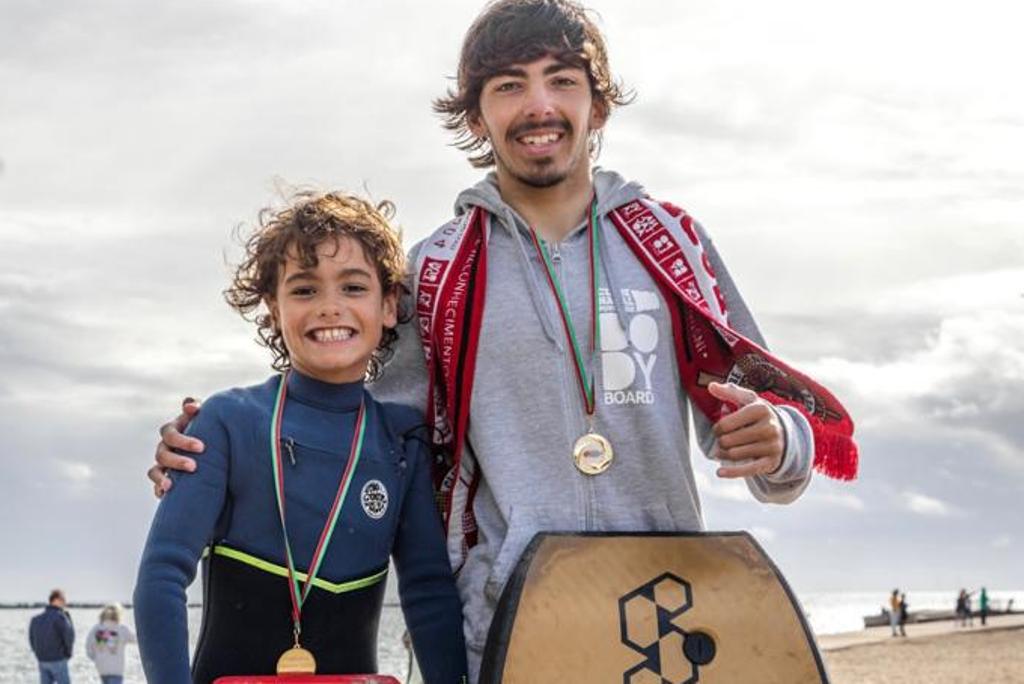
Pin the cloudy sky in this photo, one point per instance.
(859, 165)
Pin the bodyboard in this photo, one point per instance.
(649, 608)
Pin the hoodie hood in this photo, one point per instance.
(612, 191)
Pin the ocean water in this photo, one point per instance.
(18, 665)
(827, 613)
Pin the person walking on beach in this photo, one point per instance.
(567, 324)
(904, 612)
(894, 611)
(52, 638)
(107, 642)
(962, 608)
(983, 605)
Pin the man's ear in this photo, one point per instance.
(476, 124)
(598, 115)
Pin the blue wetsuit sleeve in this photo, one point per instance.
(426, 585)
(182, 527)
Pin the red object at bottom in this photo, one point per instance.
(306, 679)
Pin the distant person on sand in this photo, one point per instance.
(962, 608)
(904, 610)
(52, 636)
(983, 605)
(894, 611)
(107, 642)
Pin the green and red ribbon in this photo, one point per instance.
(297, 592)
(586, 382)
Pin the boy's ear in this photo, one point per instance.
(271, 305)
(390, 305)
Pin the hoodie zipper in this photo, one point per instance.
(554, 249)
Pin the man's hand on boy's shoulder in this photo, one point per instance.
(172, 438)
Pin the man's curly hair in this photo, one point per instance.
(511, 32)
(296, 231)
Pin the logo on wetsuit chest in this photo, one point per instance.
(374, 498)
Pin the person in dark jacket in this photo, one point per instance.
(52, 636)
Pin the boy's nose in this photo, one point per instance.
(330, 308)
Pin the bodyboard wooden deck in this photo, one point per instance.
(649, 608)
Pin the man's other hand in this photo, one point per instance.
(749, 437)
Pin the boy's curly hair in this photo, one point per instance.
(297, 230)
(519, 32)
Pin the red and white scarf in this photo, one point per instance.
(450, 295)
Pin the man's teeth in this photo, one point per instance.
(332, 334)
(540, 139)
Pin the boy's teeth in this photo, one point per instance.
(332, 334)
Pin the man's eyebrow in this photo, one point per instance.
(558, 66)
(519, 72)
(514, 72)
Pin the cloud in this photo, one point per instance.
(763, 534)
(719, 488)
(845, 500)
(922, 504)
(1003, 541)
(74, 471)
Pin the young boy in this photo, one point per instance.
(309, 485)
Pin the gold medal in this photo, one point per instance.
(296, 660)
(593, 454)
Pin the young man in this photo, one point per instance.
(565, 406)
(52, 637)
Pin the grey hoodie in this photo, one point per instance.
(526, 410)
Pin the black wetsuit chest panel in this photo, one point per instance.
(339, 629)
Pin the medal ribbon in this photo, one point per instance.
(586, 383)
(297, 592)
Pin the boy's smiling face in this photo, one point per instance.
(332, 315)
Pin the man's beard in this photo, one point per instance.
(541, 179)
(544, 175)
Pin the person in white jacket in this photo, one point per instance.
(107, 642)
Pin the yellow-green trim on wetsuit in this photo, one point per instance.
(280, 570)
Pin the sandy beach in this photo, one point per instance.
(933, 652)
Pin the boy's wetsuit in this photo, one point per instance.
(229, 505)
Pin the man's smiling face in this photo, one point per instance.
(538, 118)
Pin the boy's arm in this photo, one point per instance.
(430, 601)
(182, 527)
(793, 473)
